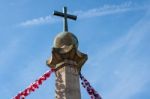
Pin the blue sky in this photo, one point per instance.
(114, 34)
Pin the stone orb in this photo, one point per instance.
(65, 39)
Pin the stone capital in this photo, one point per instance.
(67, 55)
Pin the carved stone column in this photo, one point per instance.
(67, 61)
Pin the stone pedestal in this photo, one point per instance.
(67, 61)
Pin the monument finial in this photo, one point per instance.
(65, 15)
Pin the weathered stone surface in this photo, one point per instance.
(65, 50)
(67, 83)
(68, 61)
(65, 38)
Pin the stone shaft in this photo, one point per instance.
(67, 83)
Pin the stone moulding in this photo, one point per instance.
(66, 55)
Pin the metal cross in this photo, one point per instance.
(65, 15)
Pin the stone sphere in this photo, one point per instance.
(65, 39)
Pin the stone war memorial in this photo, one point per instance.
(66, 62)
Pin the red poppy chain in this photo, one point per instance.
(35, 85)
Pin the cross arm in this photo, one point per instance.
(58, 13)
(73, 17)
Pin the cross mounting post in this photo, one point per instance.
(65, 15)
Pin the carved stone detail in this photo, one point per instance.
(68, 61)
(68, 55)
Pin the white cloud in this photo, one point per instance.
(100, 11)
(105, 10)
(130, 40)
(39, 21)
